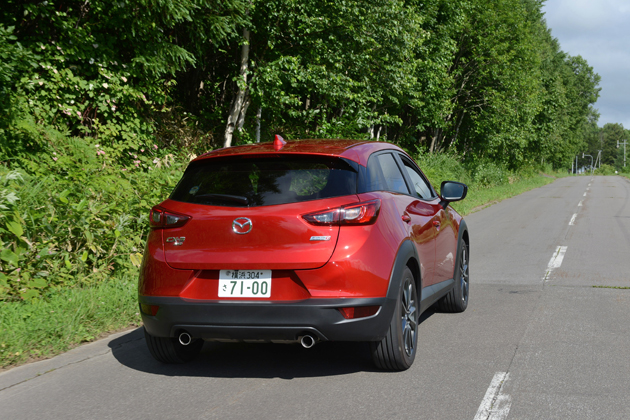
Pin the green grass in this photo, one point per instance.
(44, 328)
(479, 198)
(41, 329)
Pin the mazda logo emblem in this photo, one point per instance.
(242, 225)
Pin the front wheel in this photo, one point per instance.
(457, 299)
(397, 350)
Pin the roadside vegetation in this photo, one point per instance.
(103, 103)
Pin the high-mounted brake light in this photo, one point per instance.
(364, 213)
(160, 218)
(278, 142)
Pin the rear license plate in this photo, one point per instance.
(245, 283)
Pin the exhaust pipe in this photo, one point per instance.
(185, 338)
(307, 341)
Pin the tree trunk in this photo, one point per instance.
(258, 118)
(433, 140)
(239, 100)
(241, 116)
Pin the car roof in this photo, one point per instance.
(356, 150)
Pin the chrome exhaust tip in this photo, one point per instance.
(184, 338)
(307, 341)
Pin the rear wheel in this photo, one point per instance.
(397, 350)
(457, 299)
(170, 350)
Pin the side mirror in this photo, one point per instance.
(452, 191)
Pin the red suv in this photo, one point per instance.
(302, 241)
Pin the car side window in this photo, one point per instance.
(384, 174)
(420, 185)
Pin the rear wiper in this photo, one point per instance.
(226, 197)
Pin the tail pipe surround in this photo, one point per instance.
(307, 341)
(184, 338)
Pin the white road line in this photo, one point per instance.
(572, 222)
(584, 195)
(558, 256)
(495, 405)
(555, 261)
(580, 203)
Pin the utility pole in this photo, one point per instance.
(598, 159)
(624, 151)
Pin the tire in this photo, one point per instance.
(457, 299)
(170, 351)
(397, 351)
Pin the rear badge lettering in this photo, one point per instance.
(176, 240)
(320, 238)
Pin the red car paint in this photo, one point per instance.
(358, 264)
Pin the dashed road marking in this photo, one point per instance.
(580, 203)
(495, 404)
(558, 256)
(555, 261)
(584, 195)
(572, 222)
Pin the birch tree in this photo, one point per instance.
(240, 103)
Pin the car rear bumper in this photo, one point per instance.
(279, 320)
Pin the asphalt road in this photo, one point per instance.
(546, 336)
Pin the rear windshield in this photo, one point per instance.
(251, 182)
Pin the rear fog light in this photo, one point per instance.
(149, 309)
(354, 312)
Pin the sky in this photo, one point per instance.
(598, 30)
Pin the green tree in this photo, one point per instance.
(107, 68)
(611, 133)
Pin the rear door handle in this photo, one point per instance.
(436, 223)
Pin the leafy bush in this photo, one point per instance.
(605, 170)
(440, 167)
(488, 174)
(72, 216)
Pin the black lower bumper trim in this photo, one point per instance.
(267, 320)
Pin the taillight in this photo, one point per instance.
(364, 213)
(160, 218)
(360, 214)
(323, 218)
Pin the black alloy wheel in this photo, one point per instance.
(457, 299)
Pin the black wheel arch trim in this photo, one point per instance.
(463, 230)
(406, 252)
